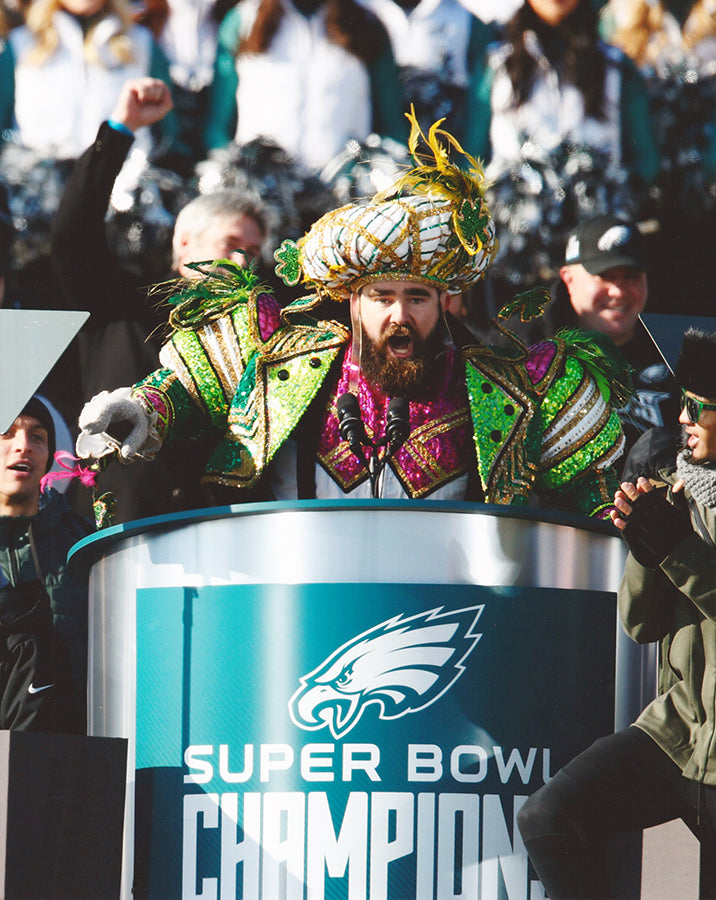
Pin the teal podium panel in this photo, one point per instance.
(350, 701)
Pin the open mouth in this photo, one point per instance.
(21, 467)
(401, 344)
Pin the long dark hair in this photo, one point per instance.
(348, 24)
(582, 61)
(153, 14)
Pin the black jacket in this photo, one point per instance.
(115, 347)
(37, 591)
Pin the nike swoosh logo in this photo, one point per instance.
(36, 690)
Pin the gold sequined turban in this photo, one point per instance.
(431, 226)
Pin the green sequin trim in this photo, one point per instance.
(208, 388)
(592, 494)
(598, 446)
(240, 320)
(495, 414)
(560, 391)
(182, 415)
(529, 304)
(159, 379)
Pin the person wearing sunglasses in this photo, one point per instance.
(698, 418)
(664, 766)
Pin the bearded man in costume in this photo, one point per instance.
(509, 426)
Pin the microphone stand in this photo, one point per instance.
(352, 429)
(375, 470)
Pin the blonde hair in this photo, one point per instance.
(40, 22)
(641, 34)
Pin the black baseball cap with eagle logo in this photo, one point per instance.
(606, 242)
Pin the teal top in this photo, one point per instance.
(638, 144)
(482, 35)
(167, 129)
(386, 98)
(7, 87)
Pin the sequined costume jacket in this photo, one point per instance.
(542, 428)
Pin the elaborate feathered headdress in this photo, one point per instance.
(431, 226)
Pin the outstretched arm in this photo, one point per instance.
(132, 423)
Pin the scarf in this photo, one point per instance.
(700, 480)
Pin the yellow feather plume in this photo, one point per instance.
(437, 176)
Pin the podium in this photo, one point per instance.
(350, 699)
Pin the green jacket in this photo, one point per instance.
(676, 604)
(541, 426)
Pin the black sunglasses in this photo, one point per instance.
(693, 406)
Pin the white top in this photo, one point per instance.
(189, 42)
(434, 36)
(492, 10)
(304, 92)
(553, 113)
(60, 104)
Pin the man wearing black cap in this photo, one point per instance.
(604, 288)
(664, 766)
(43, 606)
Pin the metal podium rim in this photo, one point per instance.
(85, 551)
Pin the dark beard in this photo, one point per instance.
(400, 377)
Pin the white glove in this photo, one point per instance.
(111, 407)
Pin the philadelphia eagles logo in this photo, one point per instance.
(400, 666)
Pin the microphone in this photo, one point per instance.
(350, 423)
(397, 423)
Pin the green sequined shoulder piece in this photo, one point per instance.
(602, 360)
(221, 289)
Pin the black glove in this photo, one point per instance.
(655, 528)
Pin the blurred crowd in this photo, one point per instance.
(576, 108)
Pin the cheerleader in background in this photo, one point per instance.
(563, 120)
(308, 75)
(70, 62)
(186, 30)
